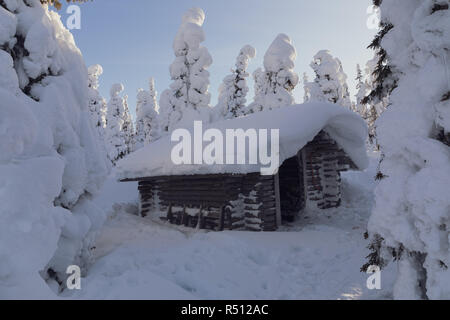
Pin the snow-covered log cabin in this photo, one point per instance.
(317, 141)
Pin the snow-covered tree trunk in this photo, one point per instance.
(116, 139)
(188, 97)
(50, 159)
(410, 221)
(274, 85)
(234, 89)
(330, 84)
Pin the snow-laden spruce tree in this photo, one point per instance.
(116, 140)
(97, 104)
(141, 98)
(375, 105)
(234, 89)
(362, 90)
(50, 159)
(306, 93)
(274, 84)
(128, 127)
(188, 97)
(330, 83)
(147, 118)
(410, 221)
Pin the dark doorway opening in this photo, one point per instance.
(292, 193)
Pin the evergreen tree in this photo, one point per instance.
(384, 78)
(234, 89)
(362, 88)
(147, 118)
(307, 94)
(142, 98)
(188, 97)
(50, 159)
(330, 84)
(274, 85)
(374, 107)
(116, 139)
(97, 104)
(127, 127)
(410, 220)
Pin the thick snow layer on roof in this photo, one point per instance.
(297, 125)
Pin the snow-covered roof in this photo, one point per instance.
(297, 124)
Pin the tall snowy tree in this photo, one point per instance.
(188, 97)
(274, 85)
(116, 139)
(410, 222)
(375, 106)
(306, 94)
(362, 89)
(128, 127)
(234, 89)
(382, 74)
(50, 159)
(97, 104)
(330, 84)
(147, 118)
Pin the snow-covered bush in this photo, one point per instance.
(116, 140)
(188, 97)
(274, 84)
(50, 159)
(330, 84)
(147, 118)
(411, 219)
(234, 89)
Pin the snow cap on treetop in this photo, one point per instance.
(190, 34)
(328, 63)
(116, 89)
(280, 55)
(248, 51)
(142, 95)
(194, 15)
(95, 70)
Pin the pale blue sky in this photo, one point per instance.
(132, 39)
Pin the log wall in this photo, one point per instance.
(215, 202)
(249, 201)
(323, 161)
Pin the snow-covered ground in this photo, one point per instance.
(317, 257)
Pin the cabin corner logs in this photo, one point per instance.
(250, 201)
